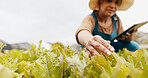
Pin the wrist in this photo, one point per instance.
(87, 40)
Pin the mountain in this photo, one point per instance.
(19, 46)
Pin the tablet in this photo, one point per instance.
(129, 30)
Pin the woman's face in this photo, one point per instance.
(109, 7)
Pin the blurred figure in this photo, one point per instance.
(103, 24)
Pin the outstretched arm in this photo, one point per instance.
(94, 44)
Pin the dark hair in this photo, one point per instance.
(100, 1)
(95, 10)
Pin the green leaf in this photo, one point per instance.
(40, 69)
(77, 63)
(5, 72)
(55, 67)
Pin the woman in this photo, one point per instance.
(98, 28)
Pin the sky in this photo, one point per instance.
(55, 20)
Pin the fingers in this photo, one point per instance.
(108, 42)
(128, 34)
(96, 45)
(92, 51)
(134, 30)
(103, 43)
(125, 36)
(121, 38)
(102, 48)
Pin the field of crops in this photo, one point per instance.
(63, 62)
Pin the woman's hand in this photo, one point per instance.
(97, 44)
(128, 37)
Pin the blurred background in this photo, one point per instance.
(55, 20)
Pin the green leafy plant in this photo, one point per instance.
(63, 62)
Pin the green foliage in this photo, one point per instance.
(63, 62)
